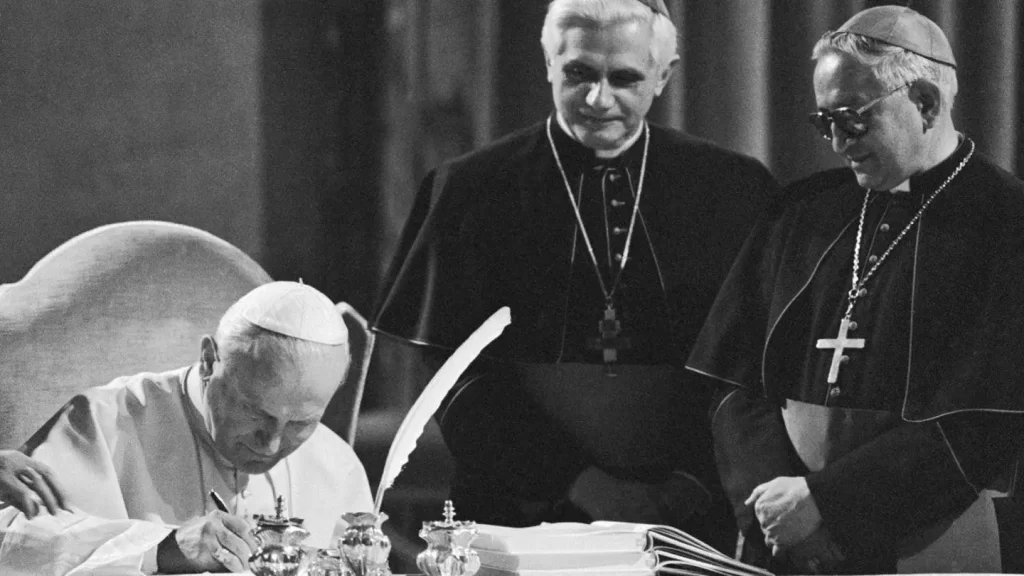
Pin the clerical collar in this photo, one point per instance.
(576, 154)
(930, 179)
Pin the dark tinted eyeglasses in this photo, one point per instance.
(852, 122)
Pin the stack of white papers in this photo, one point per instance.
(572, 549)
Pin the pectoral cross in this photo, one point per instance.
(609, 343)
(839, 343)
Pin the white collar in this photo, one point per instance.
(601, 153)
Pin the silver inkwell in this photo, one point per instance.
(279, 538)
(448, 550)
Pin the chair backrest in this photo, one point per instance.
(114, 301)
(343, 412)
(128, 298)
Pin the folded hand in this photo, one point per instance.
(786, 511)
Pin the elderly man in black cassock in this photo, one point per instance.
(608, 237)
(868, 339)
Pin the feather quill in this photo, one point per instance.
(430, 399)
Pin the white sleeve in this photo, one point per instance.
(76, 543)
(99, 534)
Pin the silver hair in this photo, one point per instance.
(893, 66)
(236, 335)
(565, 14)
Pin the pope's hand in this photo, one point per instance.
(214, 542)
(786, 511)
(22, 478)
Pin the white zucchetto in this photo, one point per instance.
(295, 310)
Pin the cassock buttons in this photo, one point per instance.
(613, 176)
(863, 292)
(884, 227)
(873, 258)
(618, 257)
(834, 392)
(617, 203)
(853, 325)
(618, 230)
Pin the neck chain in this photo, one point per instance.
(857, 285)
(609, 326)
(842, 341)
(204, 494)
(608, 293)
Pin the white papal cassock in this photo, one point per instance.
(139, 449)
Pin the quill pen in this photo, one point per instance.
(430, 399)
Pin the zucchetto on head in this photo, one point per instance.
(295, 310)
(903, 27)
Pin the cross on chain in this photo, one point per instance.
(609, 343)
(839, 343)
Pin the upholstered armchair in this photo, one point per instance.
(122, 299)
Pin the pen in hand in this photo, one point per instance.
(218, 501)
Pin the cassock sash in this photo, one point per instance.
(631, 420)
(967, 543)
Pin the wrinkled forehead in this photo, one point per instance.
(842, 80)
(299, 376)
(622, 44)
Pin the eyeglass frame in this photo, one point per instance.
(823, 120)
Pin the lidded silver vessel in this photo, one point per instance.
(364, 546)
(280, 551)
(448, 550)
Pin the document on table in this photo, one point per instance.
(76, 543)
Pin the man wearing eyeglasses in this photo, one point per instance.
(868, 339)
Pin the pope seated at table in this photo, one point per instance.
(242, 422)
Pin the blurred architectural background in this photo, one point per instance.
(298, 129)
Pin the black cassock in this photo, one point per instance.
(926, 411)
(497, 228)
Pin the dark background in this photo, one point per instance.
(298, 129)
